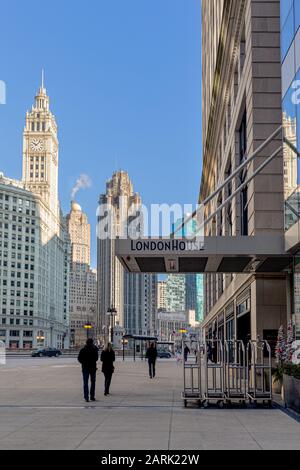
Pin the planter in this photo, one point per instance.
(291, 387)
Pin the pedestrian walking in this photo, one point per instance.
(186, 353)
(108, 358)
(209, 352)
(151, 355)
(88, 357)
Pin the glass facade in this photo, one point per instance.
(290, 53)
(194, 294)
(194, 283)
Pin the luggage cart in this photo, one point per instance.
(192, 378)
(259, 372)
(235, 372)
(214, 373)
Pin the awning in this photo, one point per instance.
(258, 254)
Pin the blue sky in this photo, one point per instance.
(124, 78)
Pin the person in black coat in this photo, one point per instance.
(186, 353)
(151, 355)
(108, 358)
(88, 358)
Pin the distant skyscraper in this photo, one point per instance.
(161, 295)
(200, 298)
(132, 295)
(194, 294)
(83, 280)
(194, 282)
(79, 231)
(176, 293)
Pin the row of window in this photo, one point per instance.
(14, 246)
(17, 303)
(12, 236)
(19, 293)
(19, 210)
(15, 227)
(27, 267)
(15, 265)
(17, 312)
(38, 127)
(16, 322)
(16, 334)
(15, 200)
(18, 284)
(40, 176)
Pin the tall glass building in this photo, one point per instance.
(175, 293)
(290, 55)
(194, 283)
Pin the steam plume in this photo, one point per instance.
(83, 182)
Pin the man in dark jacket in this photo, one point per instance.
(108, 358)
(186, 353)
(88, 358)
(151, 355)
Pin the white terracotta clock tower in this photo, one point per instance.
(40, 152)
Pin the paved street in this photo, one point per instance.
(41, 407)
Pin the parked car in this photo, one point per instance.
(46, 352)
(164, 354)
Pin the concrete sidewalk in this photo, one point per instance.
(41, 407)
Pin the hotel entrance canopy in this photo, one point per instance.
(262, 254)
(257, 254)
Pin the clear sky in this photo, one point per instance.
(124, 78)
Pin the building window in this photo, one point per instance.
(243, 175)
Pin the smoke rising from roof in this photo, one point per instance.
(83, 182)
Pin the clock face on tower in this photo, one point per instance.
(36, 145)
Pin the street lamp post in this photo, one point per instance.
(88, 327)
(112, 313)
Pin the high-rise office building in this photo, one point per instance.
(194, 294)
(161, 295)
(176, 293)
(132, 296)
(83, 280)
(193, 282)
(241, 109)
(34, 252)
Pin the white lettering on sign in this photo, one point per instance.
(166, 245)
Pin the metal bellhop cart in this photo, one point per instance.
(192, 376)
(259, 372)
(226, 373)
(235, 372)
(214, 368)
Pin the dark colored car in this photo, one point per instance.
(47, 352)
(164, 354)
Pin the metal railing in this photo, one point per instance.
(228, 372)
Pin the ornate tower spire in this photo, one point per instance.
(42, 101)
(40, 151)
